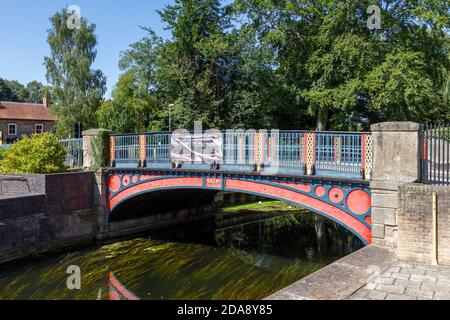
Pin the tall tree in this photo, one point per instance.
(197, 65)
(341, 71)
(77, 89)
(36, 91)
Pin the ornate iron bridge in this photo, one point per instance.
(325, 172)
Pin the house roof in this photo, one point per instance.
(25, 111)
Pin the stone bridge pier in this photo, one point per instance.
(396, 162)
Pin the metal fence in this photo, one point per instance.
(436, 155)
(74, 148)
(343, 154)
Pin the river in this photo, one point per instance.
(274, 246)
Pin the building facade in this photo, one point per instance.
(24, 119)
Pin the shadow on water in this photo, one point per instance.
(246, 252)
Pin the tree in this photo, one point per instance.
(197, 66)
(127, 111)
(326, 55)
(36, 92)
(77, 89)
(6, 93)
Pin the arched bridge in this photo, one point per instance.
(325, 172)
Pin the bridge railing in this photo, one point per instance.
(342, 154)
(436, 155)
(74, 148)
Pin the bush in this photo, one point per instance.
(2, 152)
(38, 154)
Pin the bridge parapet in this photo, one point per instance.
(328, 154)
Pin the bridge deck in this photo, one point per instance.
(240, 173)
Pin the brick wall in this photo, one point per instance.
(59, 214)
(24, 128)
(415, 223)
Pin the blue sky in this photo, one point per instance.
(24, 25)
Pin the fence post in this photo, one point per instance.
(112, 151)
(310, 154)
(143, 150)
(96, 149)
(366, 156)
(259, 149)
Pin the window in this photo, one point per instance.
(39, 128)
(12, 129)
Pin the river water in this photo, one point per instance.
(247, 260)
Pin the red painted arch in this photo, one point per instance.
(303, 200)
(270, 191)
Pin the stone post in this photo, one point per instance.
(396, 161)
(96, 158)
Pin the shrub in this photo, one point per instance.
(38, 154)
(2, 152)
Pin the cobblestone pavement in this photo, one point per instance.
(407, 281)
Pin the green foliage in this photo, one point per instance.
(39, 154)
(13, 91)
(2, 153)
(76, 88)
(340, 71)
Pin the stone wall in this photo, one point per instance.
(396, 161)
(57, 214)
(415, 223)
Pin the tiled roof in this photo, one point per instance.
(25, 111)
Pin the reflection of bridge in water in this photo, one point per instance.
(324, 172)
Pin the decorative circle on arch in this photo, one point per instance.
(134, 178)
(126, 180)
(114, 183)
(359, 202)
(336, 195)
(320, 191)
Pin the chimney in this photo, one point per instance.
(45, 101)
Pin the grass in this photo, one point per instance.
(265, 206)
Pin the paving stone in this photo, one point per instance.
(393, 269)
(401, 276)
(419, 293)
(442, 288)
(393, 296)
(412, 271)
(428, 285)
(437, 275)
(376, 295)
(390, 289)
(421, 278)
(381, 280)
(441, 296)
(407, 283)
(370, 286)
(403, 265)
(427, 267)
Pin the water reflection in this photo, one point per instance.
(250, 260)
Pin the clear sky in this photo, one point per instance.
(24, 25)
